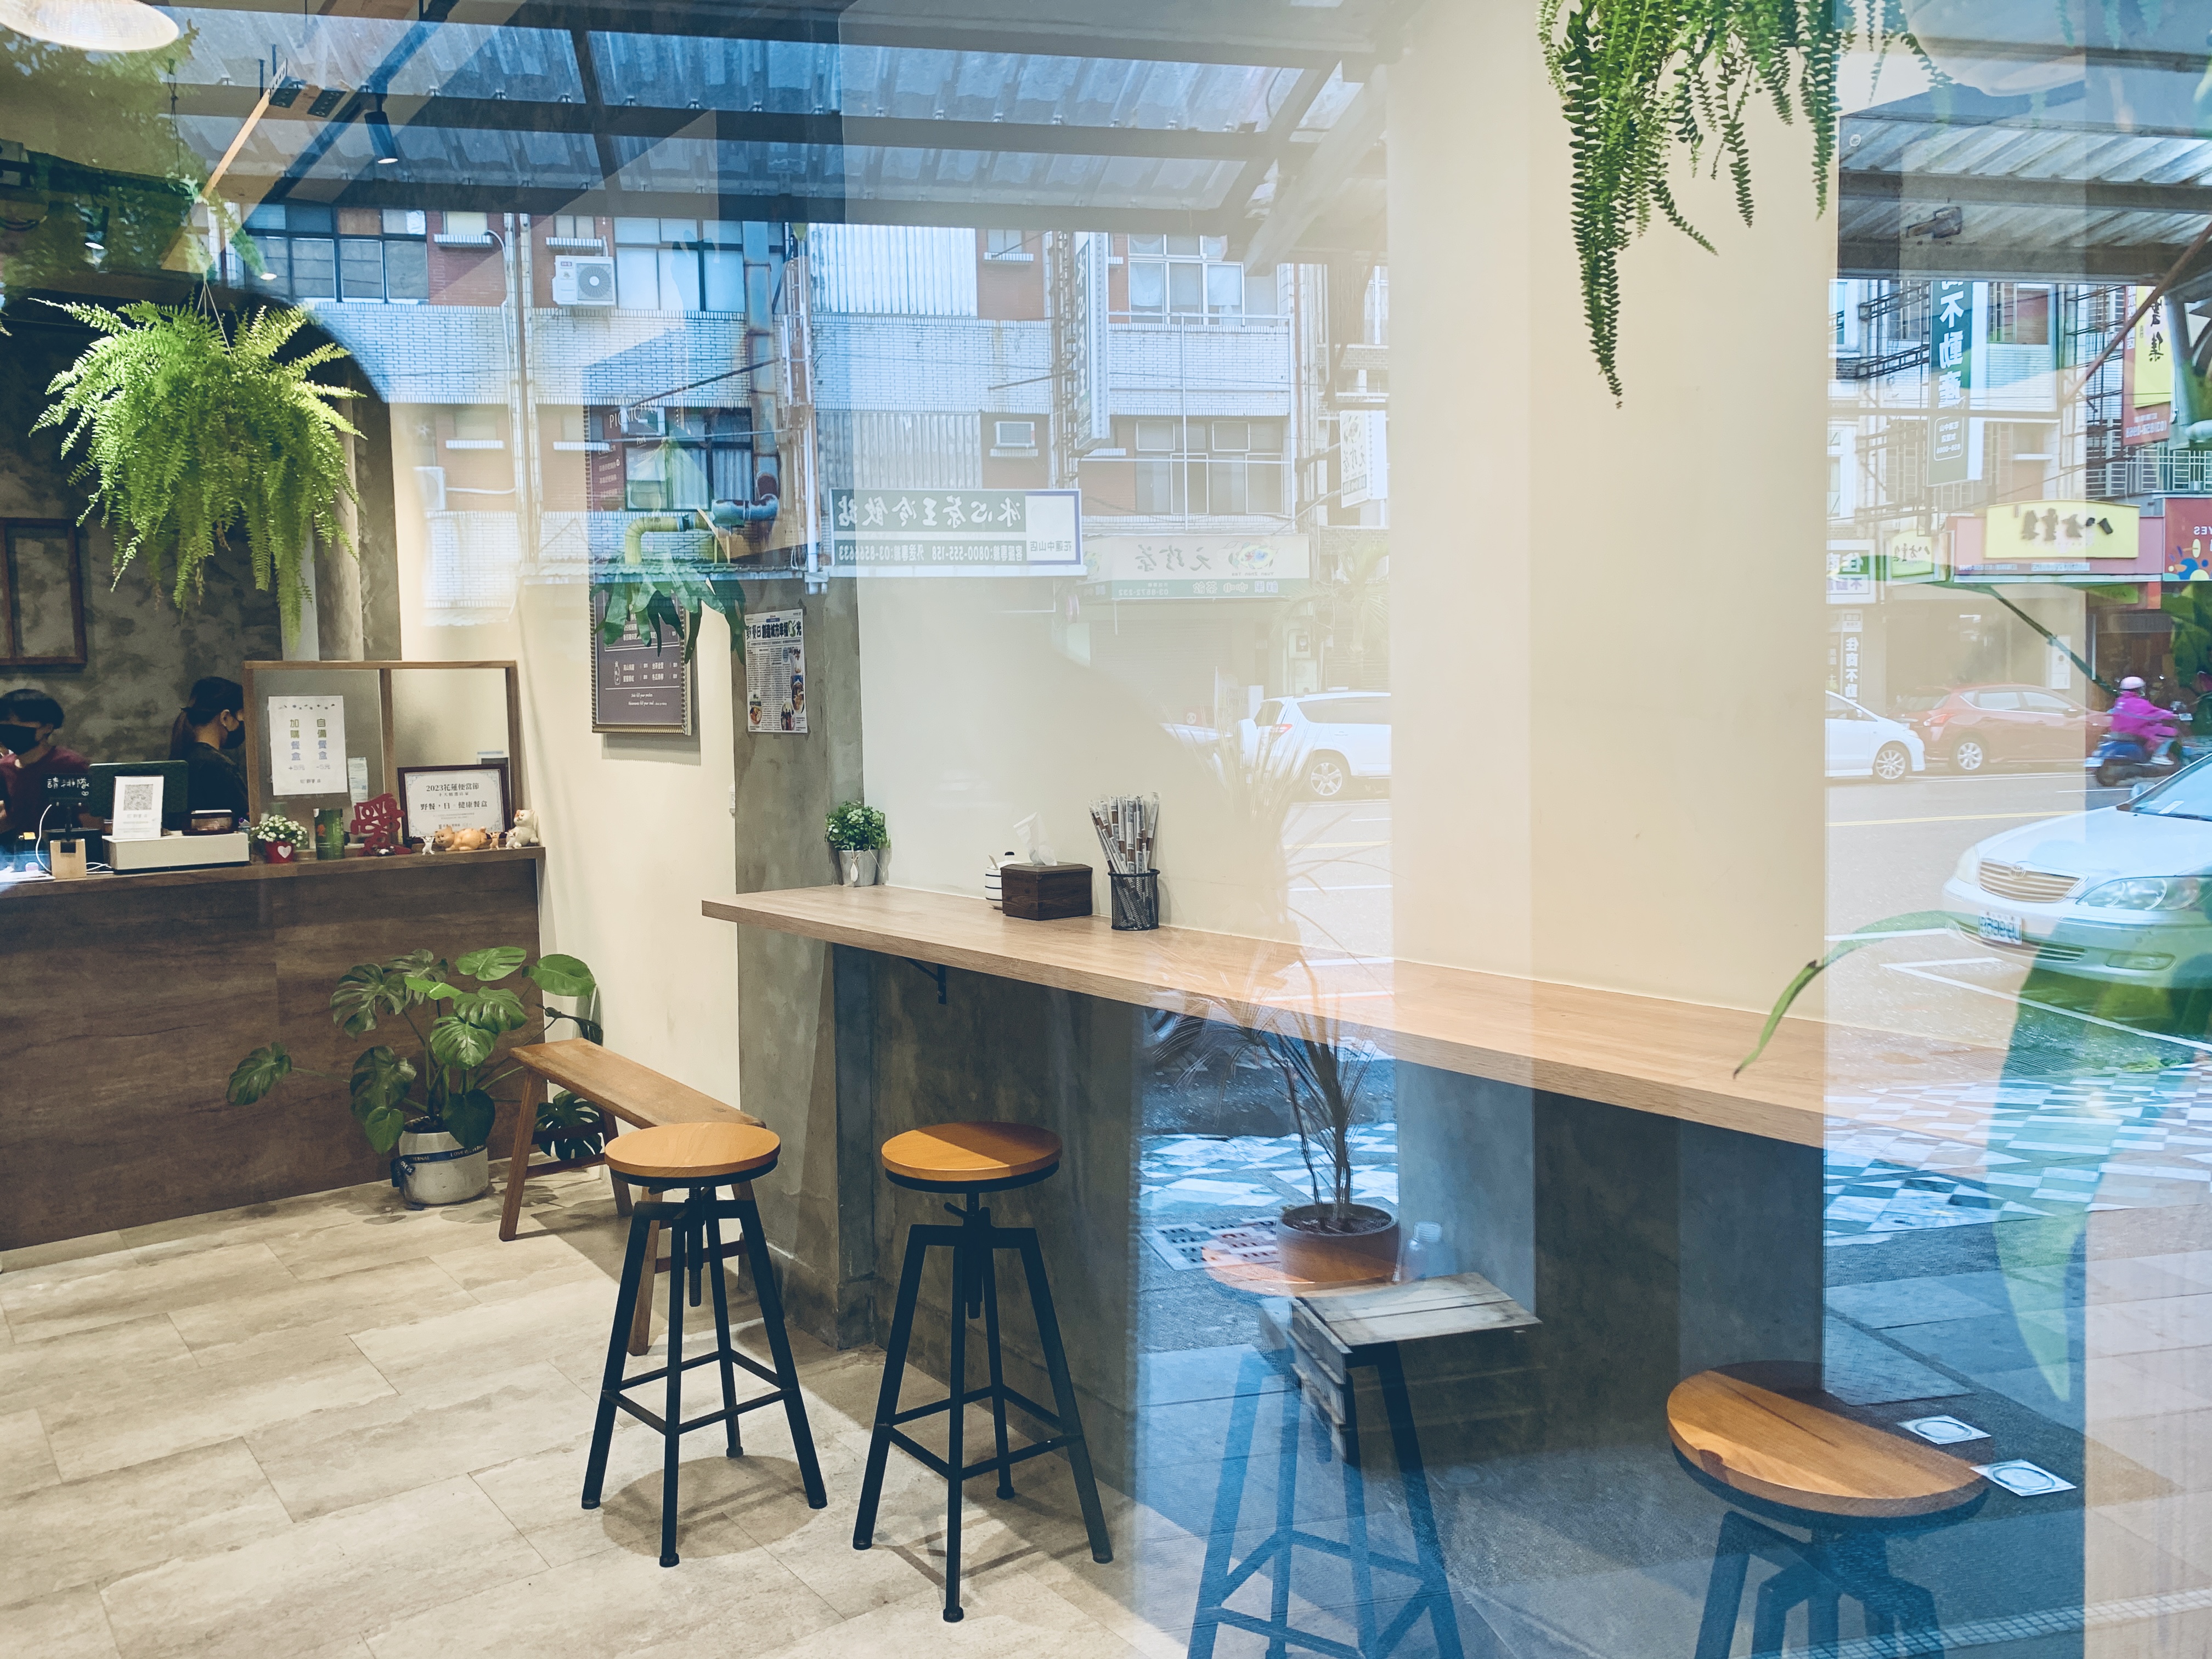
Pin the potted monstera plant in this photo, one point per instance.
(433, 1106)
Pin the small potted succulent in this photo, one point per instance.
(279, 838)
(434, 1107)
(858, 838)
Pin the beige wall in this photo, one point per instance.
(638, 828)
(1608, 623)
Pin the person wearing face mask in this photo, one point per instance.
(210, 731)
(28, 721)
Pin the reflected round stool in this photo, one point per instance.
(1771, 1442)
(970, 1159)
(701, 1158)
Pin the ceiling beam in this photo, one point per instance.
(1301, 198)
(1885, 258)
(1287, 41)
(374, 191)
(601, 119)
(1926, 190)
(1276, 141)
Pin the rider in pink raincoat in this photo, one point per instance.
(2136, 718)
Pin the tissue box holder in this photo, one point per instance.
(1046, 892)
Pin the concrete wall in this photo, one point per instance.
(144, 654)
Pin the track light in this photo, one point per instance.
(90, 25)
(379, 136)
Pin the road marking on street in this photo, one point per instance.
(2046, 1008)
(1953, 817)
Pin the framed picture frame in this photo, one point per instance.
(41, 594)
(639, 685)
(433, 798)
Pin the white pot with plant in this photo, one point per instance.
(858, 836)
(434, 1110)
(279, 838)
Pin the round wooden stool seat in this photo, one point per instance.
(1790, 1449)
(960, 1155)
(678, 1153)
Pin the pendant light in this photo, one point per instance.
(90, 25)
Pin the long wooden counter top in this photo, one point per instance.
(306, 869)
(1644, 1052)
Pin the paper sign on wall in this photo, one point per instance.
(776, 671)
(307, 745)
(138, 810)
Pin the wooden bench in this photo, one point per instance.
(629, 1093)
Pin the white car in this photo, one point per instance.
(1861, 744)
(2119, 895)
(1330, 738)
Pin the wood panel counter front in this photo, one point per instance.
(1648, 1053)
(128, 998)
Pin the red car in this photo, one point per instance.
(1978, 725)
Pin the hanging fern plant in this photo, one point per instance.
(1641, 81)
(190, 434)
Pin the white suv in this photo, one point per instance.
(1331, 738)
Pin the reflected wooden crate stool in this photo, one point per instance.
(970, 1159)
(1327, 1339)
(1767, 1439)
(702, 1158)
(629, 1093)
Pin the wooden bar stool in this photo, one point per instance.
(701, 1158)
(1769, 1441)
(972, 1160)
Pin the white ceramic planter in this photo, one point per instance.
(426, 1168)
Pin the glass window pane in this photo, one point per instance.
(360, 222)
(1225, 289)
(1154, 487)
(360, 269)
(637, 230)
(310, 216)
(265, 218)
(687, 476)
(1183, 245)
(406, 270)
(1185, 285)
(679, 230)
(730, 472)
(1146, 244)
(1148, 285)
(402, 221)
(679, 279)
(1214, 247)
(1156, 435)
(725, 285)
(637, 278)
(314, 268)
(276, 263)
(646, 471)
(468, 224)
(1997, 701)
(1231, 436)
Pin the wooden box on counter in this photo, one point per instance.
(1046, 892)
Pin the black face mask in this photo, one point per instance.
(17, 739)
(234, 740)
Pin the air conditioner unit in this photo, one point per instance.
(430, 484)
(583, 282)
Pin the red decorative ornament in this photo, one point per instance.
(377, 823)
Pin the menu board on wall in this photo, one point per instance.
(307, 745)
(638, 684)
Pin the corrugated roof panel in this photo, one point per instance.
(894, 269)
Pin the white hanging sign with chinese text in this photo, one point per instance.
(307, 746)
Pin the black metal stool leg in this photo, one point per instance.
(603, 1425)
(734, 1446)
(887, 1397)
(987, 1266)
(1214, 1586)
(955, 1452)
(1420, 1513)
(679, 1251)
(1286, 1520)
(770, 1295)
(1770, 1619)
(1063, 1397)
(1724, 1589)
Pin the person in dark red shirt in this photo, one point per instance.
(28, 721)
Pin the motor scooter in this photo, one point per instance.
(2121, 760)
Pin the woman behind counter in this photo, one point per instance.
(209, 729)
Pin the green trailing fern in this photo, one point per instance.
(189, 434)
(1640, 80)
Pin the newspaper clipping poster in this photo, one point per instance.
(776, 671)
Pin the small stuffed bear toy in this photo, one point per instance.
(525, 833)
(449, 840)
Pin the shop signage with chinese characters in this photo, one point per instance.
(1950, 350)
(2146, 377)
(1198, 567)
(956, 532)
(1850, 576)
(1912, 557)
(2067, 534)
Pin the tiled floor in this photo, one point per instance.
(332, 1428)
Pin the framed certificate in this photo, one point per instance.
(435, 798)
